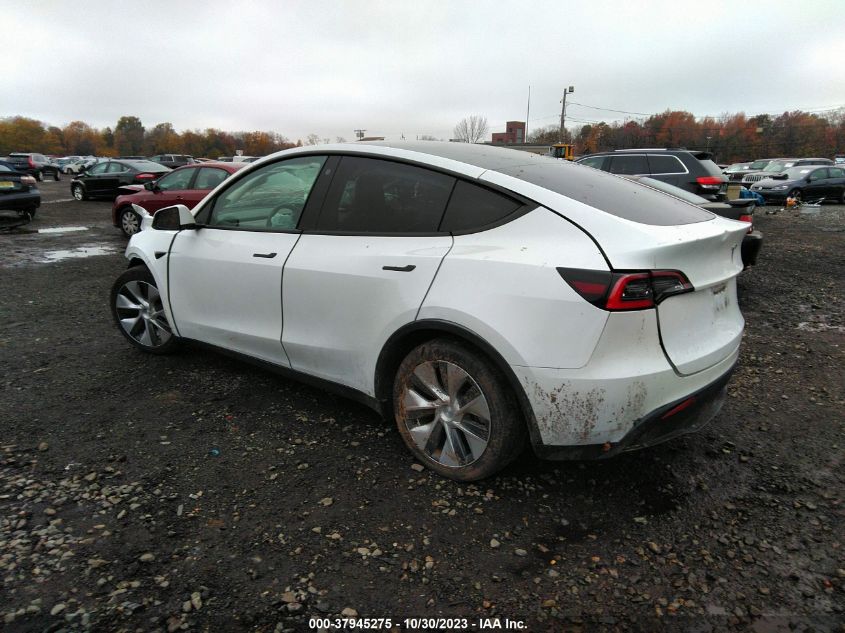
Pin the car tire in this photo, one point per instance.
(794, 193)
(129, 221)
(39, 176)
(139, 314)
(78, 192)
(466, 422)
(57, 175)
(30, 212)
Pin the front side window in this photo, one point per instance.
(99, 168)
(179, 179)
(116, 168)
(271, 198)
(379, 196)
(818, 174)
(629, 165)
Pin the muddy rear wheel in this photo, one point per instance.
(456, 412)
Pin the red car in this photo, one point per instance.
(185, 185)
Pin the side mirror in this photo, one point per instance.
(175, 218)
(151, 186)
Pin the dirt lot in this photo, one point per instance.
(196, 492)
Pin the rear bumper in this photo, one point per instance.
(611, 404)
(20, 201)
(687, 415)
(751, 245)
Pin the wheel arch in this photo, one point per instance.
(416, 333)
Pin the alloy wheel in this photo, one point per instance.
(78, 192)
(446, 413)
(141, 314)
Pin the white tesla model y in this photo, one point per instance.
(483, 297)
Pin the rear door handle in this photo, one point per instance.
(400, 269)
(264, 255)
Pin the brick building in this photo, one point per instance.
(514, 133)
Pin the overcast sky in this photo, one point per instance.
(413, 67)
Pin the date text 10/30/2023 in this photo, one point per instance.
(417, 624)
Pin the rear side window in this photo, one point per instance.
(116, 168)
(378, 196)
(472, 207)
(630, 165)
(835, 172)
(209, 177)
(665, 165)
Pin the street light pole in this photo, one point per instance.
(563, 113)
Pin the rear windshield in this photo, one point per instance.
(18, 158)
(4, 168)
(612, 194)
(710, 167)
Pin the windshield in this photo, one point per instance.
(777, 166)
(759, 164)
(737, 167)
(796, 173)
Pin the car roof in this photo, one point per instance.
(230, 167)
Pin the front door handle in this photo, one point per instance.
(400, 269)
(264, 255)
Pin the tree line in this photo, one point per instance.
(731, 138)
(129, 137)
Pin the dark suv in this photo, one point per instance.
(173, 160)
(687, 169)
(35, 165)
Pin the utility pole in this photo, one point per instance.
(360, 134)
(527, 114)
(563, 113)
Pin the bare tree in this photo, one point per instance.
(313, 139)
(339, 139)
(471, 129)
(427, 137)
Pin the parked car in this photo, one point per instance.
(778, 165)
(755, 166)
(103, 179)
(64, 161)
(739, 210)
(809, 182)
(735, 168)
(693, 171)
(173, 160)
(184, 185)
(36, 165)
(18, 191)
(478, 295)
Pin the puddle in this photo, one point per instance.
(77, 253)
(63, 229)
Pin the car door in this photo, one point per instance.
(170, 189)
(116, 174)
(95, 179)
(817, 185)
(837, 184)
(362, 267)
(667, 168)
(226, 276)
(207, 178)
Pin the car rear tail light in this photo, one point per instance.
(710, 182)
(748, 218)
(146, 176)
(28, 180)
(618, 291)
(31, 162)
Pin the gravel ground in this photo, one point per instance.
(193, 492)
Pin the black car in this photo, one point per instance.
(36, 165)
(809, 182)
(693, 171)
(104, 179)
(18, 191)
(740, 210)
(173, 160)
(779, 165)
